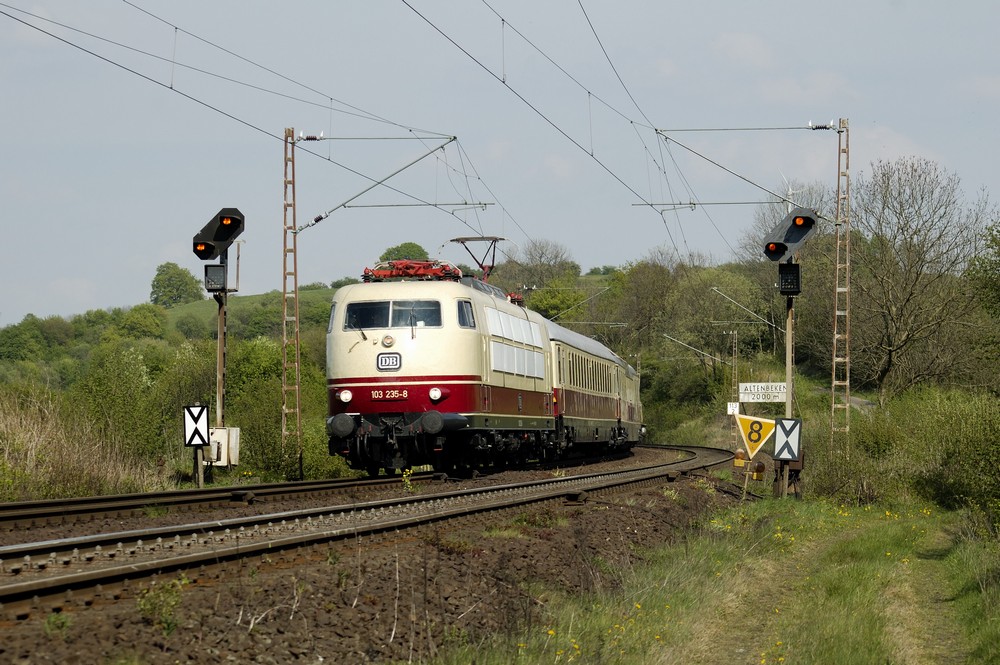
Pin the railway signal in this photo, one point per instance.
(781, 245)
(216, 236)
(212, 242)
(787, 237)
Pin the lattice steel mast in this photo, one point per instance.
(291, 414)
(840, 410)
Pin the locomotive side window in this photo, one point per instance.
(329, 325)
(466, 319)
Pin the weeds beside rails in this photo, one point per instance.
(804, 582)
(158, 603)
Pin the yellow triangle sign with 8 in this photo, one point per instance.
(755, 431)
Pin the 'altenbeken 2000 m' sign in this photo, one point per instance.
(763, 392)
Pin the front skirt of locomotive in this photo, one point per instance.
(345, 425)
(366, 439)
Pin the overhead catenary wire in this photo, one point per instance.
(728, 170)
(591, 96)
(360, 113)
(524, 99)
(357, 112)
(663, 133)
(612, 64)
(502, 80)
(747, 309)
(699, 352)
(172, 88)
(322, 216)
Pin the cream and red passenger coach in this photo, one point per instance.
(425, 366)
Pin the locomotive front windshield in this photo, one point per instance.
(392, 314)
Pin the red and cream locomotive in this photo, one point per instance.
(425, 366)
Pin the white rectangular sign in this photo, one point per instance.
(763, 392)
(788, 433)
(196, 425)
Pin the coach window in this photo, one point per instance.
(466, 319)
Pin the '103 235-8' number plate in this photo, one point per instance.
(389, 393)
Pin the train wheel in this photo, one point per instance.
(373, 470)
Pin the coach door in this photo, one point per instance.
(616, 390)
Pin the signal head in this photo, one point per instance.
(204, 250)
(775, 250)
(787, 237)
(803, 221)
(220, 232)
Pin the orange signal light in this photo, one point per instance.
(799, 221)
(226, 221)
(199, 247)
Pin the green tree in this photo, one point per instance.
(145, 320)
(469, 271)
(90, 326)
(173, 285)
(343, 281)
(407, 250)
(57, 331)
(638, 299)
(186, 375)
(262, 318)
(984, 271)
(192, 326)
(561, 296)
(23, 341)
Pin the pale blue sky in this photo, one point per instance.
(106, 173)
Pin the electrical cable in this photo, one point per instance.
(524, 100)
(220, 111)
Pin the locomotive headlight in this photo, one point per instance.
(345, 396)
(434, 394)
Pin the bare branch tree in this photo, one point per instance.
(916, 238)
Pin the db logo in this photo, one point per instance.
(388, 362)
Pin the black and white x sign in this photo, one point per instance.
(787, 433)
(196, 425)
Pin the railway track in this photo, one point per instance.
(55, 512)
(54, 575)
(29, 514)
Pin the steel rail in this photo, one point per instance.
(26, 514)
(308, 528)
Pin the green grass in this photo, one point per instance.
(805, 582)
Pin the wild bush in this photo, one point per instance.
(47, 451)
(114, 394)
(929, 443)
